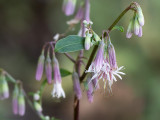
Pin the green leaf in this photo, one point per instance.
(120, 28)
(64, 72)
(70, 43)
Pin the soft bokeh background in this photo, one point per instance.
(25, 25)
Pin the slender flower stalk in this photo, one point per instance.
(40, 66)
(48, 68)
(76, 85)
(57, 89)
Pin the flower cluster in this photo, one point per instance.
(18, 100)
(136, 23)
(51, 65)
(105, 66)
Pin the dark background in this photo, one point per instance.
(25, 25)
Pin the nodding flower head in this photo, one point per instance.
(48, 68)
(40, 66)
(136, 23)
(57, 88)
(76, 85)
(4, 89)
(96, 65)
(69, 7)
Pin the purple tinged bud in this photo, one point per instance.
(88, 41)
(40, 66)
(140, 31)
(21, 103)
(15, 100)
(136, 26)
(98, 62)
(76, 85)
(112, 56)
(4, 89)
(69, 7)
(36, 96)
(90, 90)
(140, 16)
(130, 28)
(80, 13)
(57, 75)
(48, 68)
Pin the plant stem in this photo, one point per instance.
(70, 57)
(80, 56)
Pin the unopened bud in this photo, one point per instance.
(48, 68)
(90, 90)
(76, 85)
(130, 28)
(37, 106)
(112, 56)
(88, 41)
(69, 7)
(4, 89)
(15, 100)
(40, 66)
(140, 16)
(36, 96)
(96, 37)
(136, 26)
(21, 103)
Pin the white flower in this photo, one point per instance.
(58, 91)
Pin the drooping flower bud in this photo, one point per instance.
(88, 41)
(15, 100)
(96, 37)
(69, 7)
(112, 55)
(4, 89)
(21, 103)
(140, 16)
(48, 68)
(136, 26)
(130, 28)
(90, 90)
(40, 66)
(98, 61)
(57, 89)
(38, 106)
(76, 85)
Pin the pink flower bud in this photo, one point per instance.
(21, 103)
(15, 100)
(76, 85)
(48, 68)
(40, 66)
